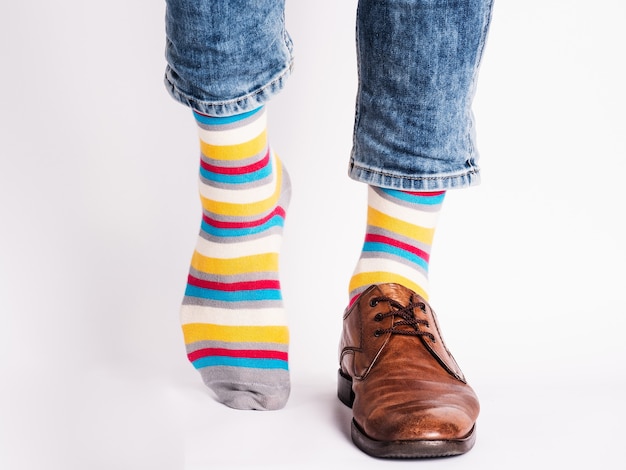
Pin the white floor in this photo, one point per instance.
(98, 214)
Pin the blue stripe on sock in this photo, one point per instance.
(414, 199)
(276, 221)
(384, 248)
(211, 361)
(237, 179)
(217, 121)
(235, 296)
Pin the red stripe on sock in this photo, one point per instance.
(353, 300)
(253, 223)
(240, 170)
(233, 286)
(425, 193)
(370, 237)
(247, 353)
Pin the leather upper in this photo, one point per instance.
(406, 383)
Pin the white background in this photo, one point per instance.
(99, 214)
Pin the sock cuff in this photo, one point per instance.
(222, 120)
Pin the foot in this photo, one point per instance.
(233, 319)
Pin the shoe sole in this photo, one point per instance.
(401, 449)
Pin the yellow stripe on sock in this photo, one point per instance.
(369, 278)
(235, 334)
(248, 209)
(232, 266)
(235, 152)
(379, 219)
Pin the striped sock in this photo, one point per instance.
(232, 316)
(399, 235)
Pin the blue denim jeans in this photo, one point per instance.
(418, 62)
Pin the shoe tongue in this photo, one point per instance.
(397, 292)
(403, 296)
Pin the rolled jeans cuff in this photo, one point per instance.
(226, 57)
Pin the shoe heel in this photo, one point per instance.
(344, 389)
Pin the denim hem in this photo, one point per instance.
(431, 182)
(238, 105)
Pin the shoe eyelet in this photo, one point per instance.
(378, 317)
(373, 302)
(377, 333)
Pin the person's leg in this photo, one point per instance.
(418, 65)
(400, 230)
(413, 140)
(226, 58)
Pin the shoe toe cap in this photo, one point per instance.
(441, 423)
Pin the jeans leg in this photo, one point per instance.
(418, 63)
(226, 56)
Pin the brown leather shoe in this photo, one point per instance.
(409, 396)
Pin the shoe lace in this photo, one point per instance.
(407, 315)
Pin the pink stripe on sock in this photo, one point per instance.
(233, 286)
(425, 193)
(247, 353)
(237, 170)
(390, 241)
(254, 223)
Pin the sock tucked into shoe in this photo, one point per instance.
(232, 316)
(398, 239)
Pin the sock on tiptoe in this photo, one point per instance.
(232, 316)
(398, 239)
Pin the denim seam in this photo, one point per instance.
(357, 104)
(267, 88)
(467, 178)
(472, 171)
(479, 58)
